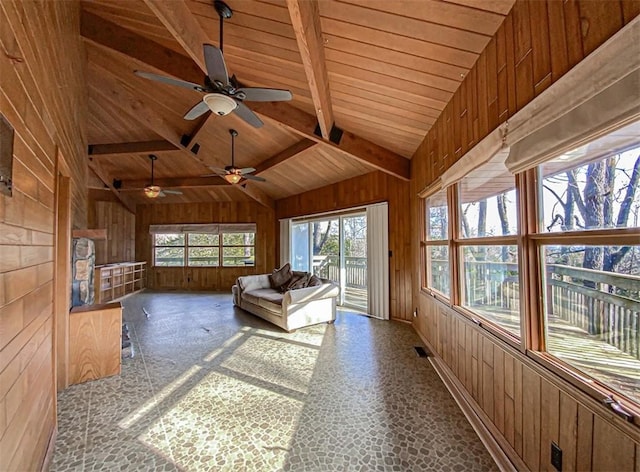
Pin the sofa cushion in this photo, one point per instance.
(280, 276)
(276, 308)
(268, 294)
(298, 280)
(314, 281)
(253, 282)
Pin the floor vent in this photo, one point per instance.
(421, 351)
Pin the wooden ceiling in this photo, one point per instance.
(380, 70)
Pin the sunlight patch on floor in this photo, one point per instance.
(225, 423)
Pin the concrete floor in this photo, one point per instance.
(211, 387)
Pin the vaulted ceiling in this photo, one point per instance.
(381, 71)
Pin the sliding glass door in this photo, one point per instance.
(334, 248)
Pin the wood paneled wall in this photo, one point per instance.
(42, 95)
(205, 278)
(539, 41)
(105, 212)
(358, 191)
(523, 405)
(526, 407)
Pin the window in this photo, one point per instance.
(212, 246)
(238, 249)
(590, 253)
(435, 244)
(487, 245)
(169, 249)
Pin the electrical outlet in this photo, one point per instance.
(556, 456)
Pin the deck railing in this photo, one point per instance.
(328, 267)
(603, 304)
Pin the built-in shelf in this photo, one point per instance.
(113, 281)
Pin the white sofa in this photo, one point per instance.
(290, 310)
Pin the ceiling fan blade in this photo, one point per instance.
(168, 80)
(198, 109)
(218, 170)
(172, 192)
(216, 68)
(257, 94)
(253, 177)
(246, 170)
(247, 115)
(162, 194)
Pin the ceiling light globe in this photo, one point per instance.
(152, 191)
(233, 178)
(220, 104)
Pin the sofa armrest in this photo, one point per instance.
(306, 294)
(246, 283)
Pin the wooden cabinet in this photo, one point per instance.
(95, 342)
(114, 281)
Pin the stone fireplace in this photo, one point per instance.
(83, 263)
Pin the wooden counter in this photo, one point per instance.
(95, 342)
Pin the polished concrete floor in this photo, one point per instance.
(213, 388)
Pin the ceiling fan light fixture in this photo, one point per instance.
(220, 104)
(152, 191)
(233, 178)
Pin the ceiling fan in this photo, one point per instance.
(223, 95)
(233, 174)
(154, 191)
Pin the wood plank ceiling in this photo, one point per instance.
(381, 71)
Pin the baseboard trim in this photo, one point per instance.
(500, 457)
(48, 457)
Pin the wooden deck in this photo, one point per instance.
(587, 353)
(356, 298)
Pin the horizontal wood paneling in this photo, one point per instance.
(370, 188)
(43, 96)
(526, 407)
(204, 278)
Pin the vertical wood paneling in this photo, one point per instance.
(568, 431)
(531, 418)
(600, 20)
(549, 423)
(42, 95)
(120, 226)
(538, 42)
(527, 408)
(615, 450)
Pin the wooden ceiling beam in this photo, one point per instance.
(292, 151)
(141, 147)
(108, 181)
(350, 144)
(173, 183)
(140, 110)
(179, 66)
(305, 18)
(124, 41)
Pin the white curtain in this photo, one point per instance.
(378, 260)
(285, 227)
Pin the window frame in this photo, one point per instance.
(530, 242)
(426, 243)
(186, 246)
